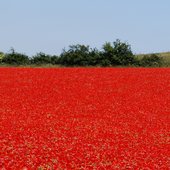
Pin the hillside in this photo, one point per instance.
(164, 55)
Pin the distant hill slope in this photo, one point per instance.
(164, 55)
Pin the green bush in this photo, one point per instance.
(14, 58)
(54, 60)
(123, 53)
(112, 54)
(152, 60)
(41, 58)
(108, 55)
(105, 63)
(119, 53)
(77, 55)
(1, 56)
(80, 55)
(94, 57)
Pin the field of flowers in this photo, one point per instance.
(84, 118)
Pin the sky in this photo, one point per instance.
(32, 26)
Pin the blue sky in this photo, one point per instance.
(32, 26)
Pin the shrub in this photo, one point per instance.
(119, 53)
(77, 55)
(94, 57)
(54, 60)
(14, 58)
(41, 58)
(1, 56)
(123, 53)
(105, 63)
(152, 60)
(108, 55)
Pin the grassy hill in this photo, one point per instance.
(164, 55)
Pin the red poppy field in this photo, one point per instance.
(84, 118)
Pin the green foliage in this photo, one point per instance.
(112, 54)
(77, 55)
(119, 53)
(94, 58)
(1, 56)
(108, 55)
(105, 63)
(123, 53)
(41, 58)
(14, 58)
(80, 55)
(152, 60)
(54, 59)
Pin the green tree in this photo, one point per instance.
(77, 55)
(54, 59)
(119, 53)
(152, 60)
(123, 53)
(41, 58)
(108, 55)
(15, 58)
(94, 57)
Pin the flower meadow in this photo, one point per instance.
(84, 118)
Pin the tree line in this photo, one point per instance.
(112, 54)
